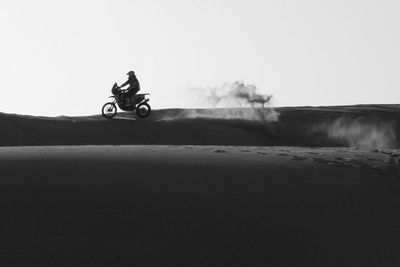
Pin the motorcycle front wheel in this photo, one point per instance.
(109, 110)
(143, 110)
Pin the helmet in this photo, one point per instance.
(131, 73)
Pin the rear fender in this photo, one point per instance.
(144, 101)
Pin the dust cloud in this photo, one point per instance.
(236, 100)
(361, 132)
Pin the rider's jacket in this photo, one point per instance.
(134, 85)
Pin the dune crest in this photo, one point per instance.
(371, 126)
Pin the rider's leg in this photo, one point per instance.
(133, 100)
(126, 99)
(129, 95)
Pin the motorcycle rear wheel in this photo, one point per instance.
(143, 110)
(109, 110)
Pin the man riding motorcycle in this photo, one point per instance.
(133, 88)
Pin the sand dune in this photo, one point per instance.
(199, 206)
(318, 187)
(364, 126)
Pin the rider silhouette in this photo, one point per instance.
(133, 88)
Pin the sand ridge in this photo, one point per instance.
(371, 126)
(318, 187)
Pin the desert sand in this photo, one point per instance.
(362, 126)
(190, 190)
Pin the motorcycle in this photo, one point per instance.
(138, 103)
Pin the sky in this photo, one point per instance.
(62, 57)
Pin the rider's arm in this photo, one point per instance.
(125, 83)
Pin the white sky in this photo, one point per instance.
(62, 57)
